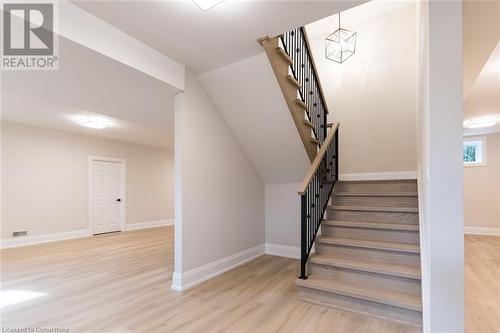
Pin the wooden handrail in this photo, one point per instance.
(317, 161)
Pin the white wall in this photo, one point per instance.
(45, 179)
(372, 94)
(283, 219)
(248, 96)
(219, 196)
(482, 191)
(441, 165)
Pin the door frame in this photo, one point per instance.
(123, 192)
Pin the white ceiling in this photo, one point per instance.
(90, 83)
(140, 106)
(355, 16)
(41, 113)
(483, 99)
(208, 40)
(481, 32)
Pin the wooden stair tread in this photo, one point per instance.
(377, 295)
(293, 81)
(301, 103)
(372, 225)
(308, 123)
(378, 245)
(374, 194)
(375, 208)
(405, 271)
(285, 56)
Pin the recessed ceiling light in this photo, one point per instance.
(482, 122)
(207, 4)
(94, 122)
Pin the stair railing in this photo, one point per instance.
(296, 45)
(315, 192)
(316, 189)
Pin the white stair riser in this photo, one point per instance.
(377, 187)
(375, 201)
(361, 306)
(356, 253)
(372, 279)
(386, 235)
(383, 217)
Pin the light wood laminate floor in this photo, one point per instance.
(121, 283)
(482, 284)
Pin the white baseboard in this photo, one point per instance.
(183, 281)
(59, 236)
(396, 175)
(177, 281)
(482, 231)
(39, 239)
(149, 224)
(283, 250)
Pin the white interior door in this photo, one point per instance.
(106, 197)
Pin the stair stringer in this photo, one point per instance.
(280, 68)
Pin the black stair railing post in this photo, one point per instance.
(316, 193)
(337, 176)
(303, 233)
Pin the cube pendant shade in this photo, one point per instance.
(340, 45)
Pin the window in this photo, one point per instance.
(475, 152)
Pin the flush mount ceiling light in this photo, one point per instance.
(340, 45)
(482, 122)
(207, 4)
(94, 122)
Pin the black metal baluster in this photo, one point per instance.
(303, 244)
(313, 188)
(337, 155)
(300, 69)
(308, 89)
(315, 197)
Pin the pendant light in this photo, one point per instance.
(340, 45)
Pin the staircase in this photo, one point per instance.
(367, 256)
(294, 68)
